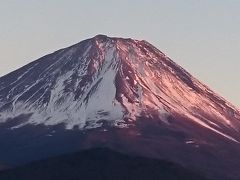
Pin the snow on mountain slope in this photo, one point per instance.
(112, 81)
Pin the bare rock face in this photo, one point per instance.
(124, 94)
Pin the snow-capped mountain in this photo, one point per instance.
(120, 85)
(113, 81)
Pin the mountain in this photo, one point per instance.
(101, 164)
(123, 94)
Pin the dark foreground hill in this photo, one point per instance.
(100, 164)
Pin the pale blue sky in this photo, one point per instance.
(203, 36)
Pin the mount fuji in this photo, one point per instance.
(119, 93)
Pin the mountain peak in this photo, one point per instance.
(113, 82)
(119, 93)
(103, 38)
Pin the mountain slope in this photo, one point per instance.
(101, 164)
(122, 94)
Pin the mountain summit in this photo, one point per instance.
(112, 81)
(126, 90)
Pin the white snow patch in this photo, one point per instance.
(190, 142)
(96, 105)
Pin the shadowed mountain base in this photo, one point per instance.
(100, 164)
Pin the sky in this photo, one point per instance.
(203, 36)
